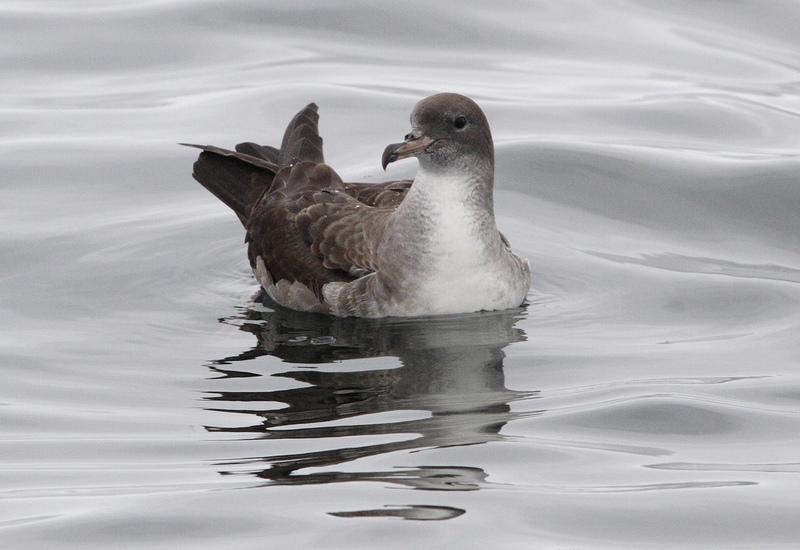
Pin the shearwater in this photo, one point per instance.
(398, 248)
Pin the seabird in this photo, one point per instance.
(399, 248)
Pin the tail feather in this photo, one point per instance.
(232, 180)
(238, 178)
(265, 152)
(302, 142)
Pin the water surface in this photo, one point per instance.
(647, 396)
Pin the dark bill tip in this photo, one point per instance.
(390, 154)
(410, 148)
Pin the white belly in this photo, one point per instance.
(466, 271)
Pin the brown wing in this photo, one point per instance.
(343, 231)
(301, 219)
(383, 195)
(311, 228)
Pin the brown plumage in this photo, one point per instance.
(301, 219)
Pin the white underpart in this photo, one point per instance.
(466, 265)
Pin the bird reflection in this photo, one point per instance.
(449, 389)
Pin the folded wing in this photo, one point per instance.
(302, 221)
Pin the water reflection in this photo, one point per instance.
(417, 512)
(451, 371)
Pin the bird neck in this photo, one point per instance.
(456, 203)
(469, 190)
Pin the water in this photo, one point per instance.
(646, 397)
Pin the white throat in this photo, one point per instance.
(457, 216)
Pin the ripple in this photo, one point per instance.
(419, 512)
(646, 164)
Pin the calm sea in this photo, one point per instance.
(648, 396)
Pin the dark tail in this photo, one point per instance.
(238, 178)
(301, 141)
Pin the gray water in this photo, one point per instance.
(648, 396)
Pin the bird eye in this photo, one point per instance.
(460, 122)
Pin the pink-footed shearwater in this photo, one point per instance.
(398, 248)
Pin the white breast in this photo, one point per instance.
(466, 266)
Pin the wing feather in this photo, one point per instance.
(307, 226)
